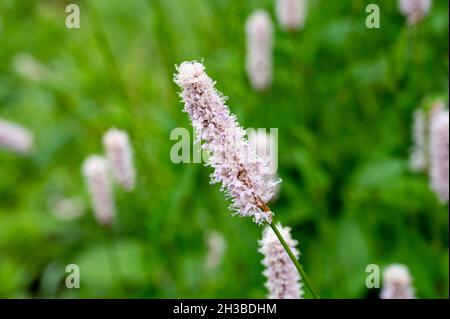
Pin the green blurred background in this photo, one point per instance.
(342, 99)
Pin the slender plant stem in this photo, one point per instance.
(295, 261)
(106, 50)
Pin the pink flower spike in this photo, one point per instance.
(244, 176)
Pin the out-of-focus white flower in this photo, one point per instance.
(243, 174)
(420, 151)
(439, 154)
(259, 57)
(216, 250)
(397, 283)
(96, 172)
(414, 10)
(67, 208)
(283, 279)
(291, 14)
(15, 137)
(29, 68)
(418, 157)
(120, 155)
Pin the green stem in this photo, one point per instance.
(106, 50)
(294, 260)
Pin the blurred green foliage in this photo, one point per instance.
(342, 98)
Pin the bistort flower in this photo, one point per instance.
(96, 173)
(439, 154)
(243, 175)
(15, 137)
(291, 14)
(120, 156)
(397, 283)
(259, 57)
(414, 10)
(283, 279)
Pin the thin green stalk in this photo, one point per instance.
(106, 50)
(294, 260)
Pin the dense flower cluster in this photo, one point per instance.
(397, 283)
(259, 57)
(96, 172)
(439, 154)
(291, 14)
(283, 280)
(120, 156)
(414, 10)
(15, 137)
(243, 175)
